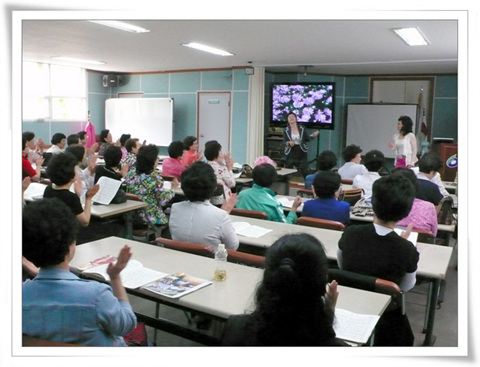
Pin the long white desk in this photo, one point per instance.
(450, 228)
(220, 299)
(432, 265)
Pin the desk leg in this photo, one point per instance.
(129, 224)
(431, 307)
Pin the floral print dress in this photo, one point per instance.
(224, 177)
(150, 188)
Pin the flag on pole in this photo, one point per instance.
(422, 130)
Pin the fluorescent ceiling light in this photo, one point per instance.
(412, 36)
(120, 25)
(78, 61)
(212, 50)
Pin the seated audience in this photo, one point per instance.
(123, 139)
(27, 169)
(146, 182)
(58, 141)
(326, 160)
(83, 137)
(191, 153)
(423, 214)
(59, 306)
(374, 161)
(197, 220)
(112, 157)
(261, 197)
(352, 167)
(292, 306)
(222, 165)
(62, 172)
(132, 146)
(73, 139)
(105, 140)
(377, 250)
(436, 179)
(173, 166)
(325, 205)
(428, 166)
(35, 150)
(85, 178)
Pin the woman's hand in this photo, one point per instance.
(175, 183)
(230, 203)
(331, 294)
(114, 271)
(228, 161)
(291, 143)
(92, 191)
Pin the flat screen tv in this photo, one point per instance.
(313, 103)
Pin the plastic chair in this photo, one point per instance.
(145, 233)
(244, 258)
(305, 193)
(372, 284)
(320, 223)
(249, 213)
(346, 181)
(191, 248)
(351, 196)
(167, 177)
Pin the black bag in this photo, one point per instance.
(246, 171)
(120, 197)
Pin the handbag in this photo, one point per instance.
(246, 171)
(137, 337)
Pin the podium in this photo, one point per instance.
(448, 153)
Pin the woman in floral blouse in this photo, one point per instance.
(147, 183)
(222, 165)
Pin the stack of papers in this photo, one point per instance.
(354, 327)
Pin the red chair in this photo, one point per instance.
(244, 258)
(191, 248)
(320, 223)
(249, 213)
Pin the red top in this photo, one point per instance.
(27, 169)
(189, 156)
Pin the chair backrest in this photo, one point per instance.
(351, 196)
(424, 235)
(192, 248)
(370, 283)
(320, 223)
(249, 213)
(30, 341)
(167, 177)
(446, 208)
(244, 258)
(219, 191)
(305, 193)
(346, 181)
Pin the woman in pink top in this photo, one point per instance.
(423, 214)
(191, 153)
(173, 166)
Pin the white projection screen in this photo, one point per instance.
(372, 126)
(149, 119)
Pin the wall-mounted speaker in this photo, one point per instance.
(111, 80)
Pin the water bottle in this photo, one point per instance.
(220, 263)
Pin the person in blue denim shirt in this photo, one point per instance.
(59, 306)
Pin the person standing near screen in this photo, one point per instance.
(404, 143)
(295, 138)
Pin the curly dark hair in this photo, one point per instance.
(78, 151)
(264, 175)
(407, 124)
(392, 197)
(326, 183)
(146, 157)
(374, 160)
(48, 229)
(350, 152)
(61, 168)
(188, 141)
(198, 181)
(212, 150)
(112, 156)
(326, 160)
(175, 149)
(290, 308)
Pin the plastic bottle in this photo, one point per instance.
(220, 263)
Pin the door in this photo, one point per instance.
(214, 119)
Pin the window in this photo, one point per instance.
(54, 92)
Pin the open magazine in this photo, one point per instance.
(133, 276)
(107, 191)
(176, 285)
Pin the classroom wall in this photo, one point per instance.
(183, 87)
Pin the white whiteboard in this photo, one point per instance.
(149, 119)
(372, 126)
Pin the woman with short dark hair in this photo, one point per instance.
(222, 165)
